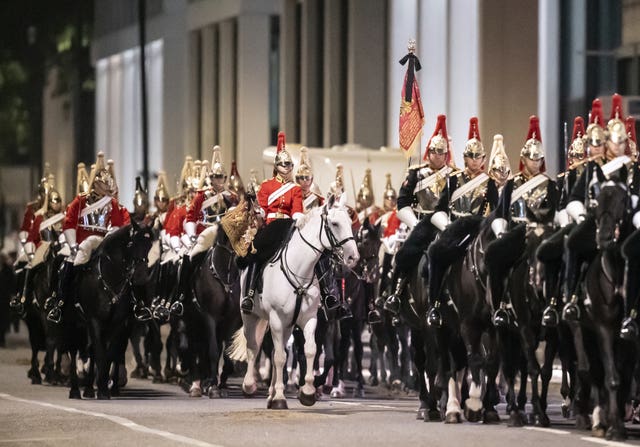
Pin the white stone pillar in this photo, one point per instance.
(549, 82)
(208, 76)
(334, 104)
(289, 76)
(253, 131)
(311, 77)
(227, 90)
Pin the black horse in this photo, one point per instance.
(212, 315)
(104, 297)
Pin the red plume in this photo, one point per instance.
(630, 125)
(596, 116)
(280, 142)
(578, 127)
(534, 129)
(441, 128)
(474, 130)
(616, 107)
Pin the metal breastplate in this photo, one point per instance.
(427, 198)
(470, 203)
(531, 200)
(97, 220)
(213, 208)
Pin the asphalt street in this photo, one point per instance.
(163, 415)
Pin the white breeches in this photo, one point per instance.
(154, 253)
(41, 253)
(85, 249)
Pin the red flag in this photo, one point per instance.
(411, 112)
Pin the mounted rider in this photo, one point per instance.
(551, 250)
(471, 192)
(528, 202)
(417, 200)
(365, 200)
(89, 217)
(280, 200)
(615, 165)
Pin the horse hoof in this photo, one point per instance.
(582, 422)
(195, 392)
(598, 431)
(421, 414)
(491, 417)
(616, 433)
(249, 390)
(473, 415)
(433, 416)
(566, 411)
(89, 393)
(223, 393)
(515, 419)
(214, 392)
(374, 382)
(102, 395)
(74, 393)
(115, 392)
(36, 380)
(157, 379)
(452, 418)
(307, 399)
(278, 404)
(542, 421)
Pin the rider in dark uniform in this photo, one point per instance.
(418, 197)
(527, 201)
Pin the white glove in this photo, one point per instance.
(190, 229)
(561, 218)
(499, 226)
(407, 217)
(389, 244)
(166, 241)
(576, 210)
(297, 216)
(30, 250)
(175, 243)
(636, 219)
(70, 237)
(634, 201)
(22, 236)
(440, 220)
(187, 242)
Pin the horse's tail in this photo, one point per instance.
(237, 350)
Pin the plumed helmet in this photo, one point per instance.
(82, 182)
(305, 165)
(533, 149)
(365, 199)
(630, 124)
(390, 194)
(186, 175)
(337, 186)
(594, 134)
(474, 148)
(439, 141)
(577, 149)
(140, 197)
(217, 168)
(616, 129)
(282, 156)
(162, 192)
(102, 180)
(499, 164)
(235, 183)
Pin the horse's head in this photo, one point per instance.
(338, 234)
(368, 241)
(613, 203)
(137, 251)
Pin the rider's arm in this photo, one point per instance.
(297, 208)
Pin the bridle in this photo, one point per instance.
(334, 243)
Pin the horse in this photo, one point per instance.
(212, 316)
(468, 317)
(605, 360)
(104, 287)
(290, 295)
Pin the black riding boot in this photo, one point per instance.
(549, 253)
(18, 303)
(184, 273)
(252, 275)
(326, 280)
(571, 310)
(436, 278)
(392, 304)
(65, 283)
(21, 273)
(629, 330)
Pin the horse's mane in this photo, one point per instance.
(301, 222)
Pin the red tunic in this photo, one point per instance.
(27, 219)
(34, 231)
(393, 223)
(281, 205)
(174, 222)
(117, 217)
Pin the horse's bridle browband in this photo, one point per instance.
(333, 241)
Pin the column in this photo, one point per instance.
(311, 76)
(549, 82)
(227, 89)
(289, 100)
(208, 80)
(334, 103)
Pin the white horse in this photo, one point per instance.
(290, 295)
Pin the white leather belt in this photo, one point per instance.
(278, 216)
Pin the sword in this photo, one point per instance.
(566, 147)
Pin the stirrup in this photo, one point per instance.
(142, 313)
(343, 312)
(160, 312)
(247, 305)
(374, 317)
(49, 302)
(55, 315)
(501, 318)
(434, 317)
(177, 308)
(550, 317)
(392, 304)
(571, 310)
(379, 301)
(330, 302)
(14, 302)
(629, 330)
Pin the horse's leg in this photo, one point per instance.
(510, 354)
(616, 430)
(551, 348)
(74, 390)
(566, 352)
(254, 330)
(140, 371)
(533, 368)
(358, 350)
(100, 358)
(155, 349)
(472, 334)
(308, 390)
(492, 367)
(213, 355)
(279, 334)
(374, 357)
(419, 360)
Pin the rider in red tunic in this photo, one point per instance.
(280, 199)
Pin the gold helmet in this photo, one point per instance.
(235, 184)
(533, 149)
(53, 199)
(162, 192)
(337, 186)
(365, 198)
(390, 195)
(217, 168)
(82, 182)
(594, 134)
(439, 142)
(474, 147)
(304, 170)
(196, 179)
(186, 175)
(499, 165)
(577, 149)
(616, 129)
(282, 156)
(102, 180)
(140, 198)
(630, 123)
(205, 179)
